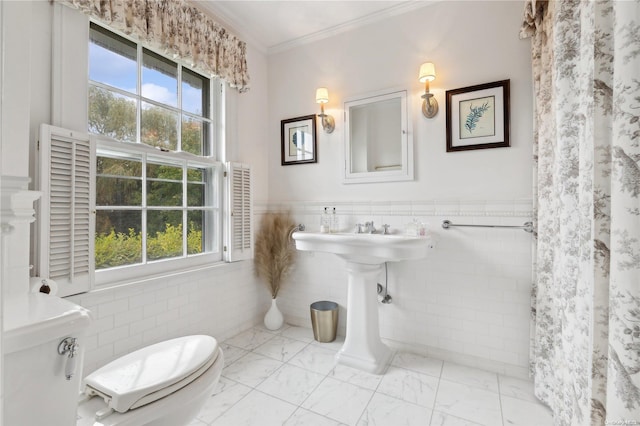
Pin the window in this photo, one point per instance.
(157, 185)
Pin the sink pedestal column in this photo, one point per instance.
(363, 348)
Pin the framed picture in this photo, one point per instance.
(478, 117)
(299, 140)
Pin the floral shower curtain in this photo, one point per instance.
(585, 356)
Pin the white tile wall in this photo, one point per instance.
(468, 302)
(220, 300)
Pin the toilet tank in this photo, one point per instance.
(36, 389)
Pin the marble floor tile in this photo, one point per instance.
(356, 377)
(315, 359)
(409, 386)
(261, 327)
(280, 348)
(335, 346)
(339, 401)
(231, 353)
(384, 410)
(304, 417)
(519, 412)
(442, 419)
(470, 376)
(285, 377)
(292, 384)
(252, 369)
(419, 363)
(517, 388)
(226, 394)
(249, 339)
(257, 408)
(470, 403)
(299, 333)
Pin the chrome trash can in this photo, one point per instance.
(324, 321)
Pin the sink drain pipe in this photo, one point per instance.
(383, 291)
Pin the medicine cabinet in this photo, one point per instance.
(378, 141)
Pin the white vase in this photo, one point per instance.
(273, 320)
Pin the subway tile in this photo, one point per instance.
(155, 308)
(101, 355)
(127, 345)
(126, 291)
(100, 325)
(167, 293)
(168, 316)
(96, 298)
(113, 307)
(113, 335)
(138, 327)
(178, 301)
(154, 335)
(142, 299)
(128, 317)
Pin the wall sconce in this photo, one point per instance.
(429, 104)
(322, 97)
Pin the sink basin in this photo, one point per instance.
(365, 254)
(371, 249)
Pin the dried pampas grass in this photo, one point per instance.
(274, 252)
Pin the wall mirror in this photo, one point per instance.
(378, 142)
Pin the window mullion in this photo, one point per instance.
(179, 107)
(139, 95)
(144, 209)
(185, 204)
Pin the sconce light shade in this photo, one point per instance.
(429, 104)
(322, 97)
(427, 72)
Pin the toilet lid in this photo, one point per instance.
(152, 372)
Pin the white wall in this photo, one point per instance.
(469, 300)
(251, 145)
(470, 43)
(16, 90)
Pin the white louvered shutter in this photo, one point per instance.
(66, 220)
(239, 244)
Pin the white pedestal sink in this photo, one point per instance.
(365, 254)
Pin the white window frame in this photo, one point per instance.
(128, 273)
(124, 273)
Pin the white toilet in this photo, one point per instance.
(162, 384)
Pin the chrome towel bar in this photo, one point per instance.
(527, 227)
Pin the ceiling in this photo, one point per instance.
(275, 25)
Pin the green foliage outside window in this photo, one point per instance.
(114, 115)
(118, 238)
(114, 111)
(118, 249)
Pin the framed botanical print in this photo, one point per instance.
(478, 117)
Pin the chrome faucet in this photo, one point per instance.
(369, 228)
(358, 229)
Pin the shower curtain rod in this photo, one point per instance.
(527, 227)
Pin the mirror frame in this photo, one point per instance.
(406, 171)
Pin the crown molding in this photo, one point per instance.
(234, 24)
(371, 18)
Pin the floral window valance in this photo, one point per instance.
(178, 29)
